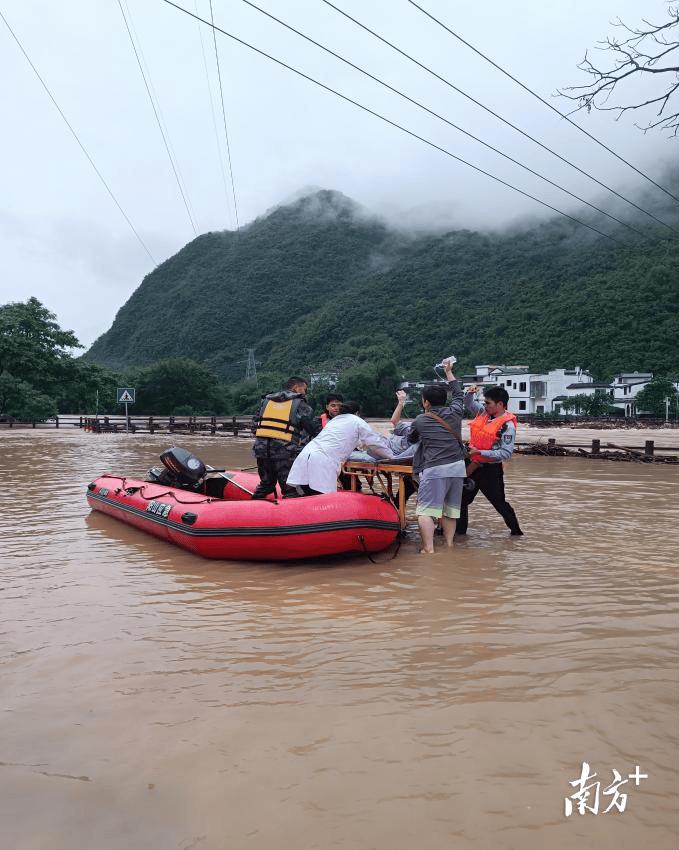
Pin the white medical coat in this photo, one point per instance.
(320, 461)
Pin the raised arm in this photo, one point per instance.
(455, 403)
(402, 397)
(471, 404)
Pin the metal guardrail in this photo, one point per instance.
(231, 425)
(235, 426)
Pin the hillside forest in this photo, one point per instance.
(321, 287)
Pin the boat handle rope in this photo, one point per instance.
(172, 493)
(131, 490)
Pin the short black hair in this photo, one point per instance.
(435, 394)
(351, 407)
(497, 394)
(334, 397)
(295, 380)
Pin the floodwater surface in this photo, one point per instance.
(154, 700)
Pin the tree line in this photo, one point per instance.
(40, 377)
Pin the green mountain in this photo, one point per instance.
(320, 281)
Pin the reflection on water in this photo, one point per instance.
(153, 699)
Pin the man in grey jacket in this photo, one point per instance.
(439, 460)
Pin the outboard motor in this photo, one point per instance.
(182, 469)
(187, 467)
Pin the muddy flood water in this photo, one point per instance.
(154, 700)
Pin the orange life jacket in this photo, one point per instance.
(483, 432)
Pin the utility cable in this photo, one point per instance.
(545, 102)
(226, 132)
(143, 61)
(392, 123)
(158, 121)
(500, 117)
(153, 95)
(212, 110)
(80, 144)
(441, 117)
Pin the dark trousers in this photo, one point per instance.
(489, 479)
(345, 481)
(272, 470)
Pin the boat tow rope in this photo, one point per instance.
(386, 485)
(372, 560)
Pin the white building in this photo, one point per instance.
(545, 392)
(329, 378)
(537, 392)
(626, 387)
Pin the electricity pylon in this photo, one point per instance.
(251, 368)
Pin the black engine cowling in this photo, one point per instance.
(182, 469)
(186, 466)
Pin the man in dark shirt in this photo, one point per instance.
(439, 460)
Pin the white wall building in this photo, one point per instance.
(625, 387)
(545, 392)
(537, 392)
(329, 378)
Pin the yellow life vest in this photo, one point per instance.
(275, 421)
(484, 432)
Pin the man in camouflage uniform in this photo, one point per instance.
(285, 422)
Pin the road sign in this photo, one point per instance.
(126, 395)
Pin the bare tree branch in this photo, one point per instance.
(633, 58)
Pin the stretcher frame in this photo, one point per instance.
(387, 474)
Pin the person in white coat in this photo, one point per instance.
(317, 466)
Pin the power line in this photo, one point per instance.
(154, 95)
(545, 102)
(504, 120)
(80, 144)
(212, 110)
(158, 121)
(226, 132)
(391, 123)
(441, 117)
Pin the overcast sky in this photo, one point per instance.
(65, 240)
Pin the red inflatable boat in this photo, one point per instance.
(233, 527)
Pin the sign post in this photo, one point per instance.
(126, 395)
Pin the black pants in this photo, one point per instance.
(272, 470)
(345, 481)
(489, 479)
